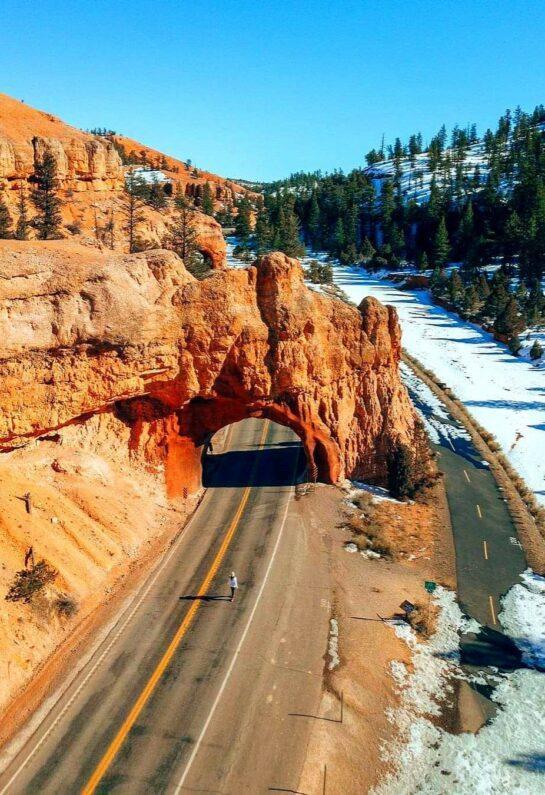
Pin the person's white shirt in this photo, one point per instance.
(233, 582)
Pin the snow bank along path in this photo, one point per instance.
(505, 394)
(507, 754)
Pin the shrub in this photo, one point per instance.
(514, 344)
(401, 473)
(74, 229)
(66, 606)
(536, 351)
(320, 273)
(30, 582)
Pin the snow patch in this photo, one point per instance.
(523, 618)
(354, 487)
(506, 755)
(333, 644)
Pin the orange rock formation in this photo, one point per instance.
(91, 178)
(84, 332)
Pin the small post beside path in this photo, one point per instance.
(430, 587)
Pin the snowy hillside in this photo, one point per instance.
(504, 393)
(416, 175)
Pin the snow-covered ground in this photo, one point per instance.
(508, 754)
(149, 175)
(232, 261)
(416, 177)
(504, 393)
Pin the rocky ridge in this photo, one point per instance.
(91, 176)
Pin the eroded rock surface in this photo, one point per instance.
(83, 332)
(91, 178)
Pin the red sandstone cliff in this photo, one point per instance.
(91, 177)
(83, 332)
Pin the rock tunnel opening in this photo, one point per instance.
(204, 260)
(179, 439)
(253, 452)
(201, 418)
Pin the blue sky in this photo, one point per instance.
(257, 89)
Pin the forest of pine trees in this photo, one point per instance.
(472, 214)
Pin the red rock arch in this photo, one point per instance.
(176, 439)
(178, 358)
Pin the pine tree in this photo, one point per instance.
(498, 297)
(536, 351)
(313, 224)
(438, 282)
(132, 208)
(207, 204)
(156, 195)
(423, 263)
(401, 473)
(45, 198)
(535, 304)
(339, 237)
(367, 250)
(514, 344)
(441, 245)
(472, 302)
(243, 224)
(23, 224)
(287, 237)
(483, 288)
(466, 230)
(182, 236)
(456, 290)
(513, 236)
(5, 220)
(509, 322)
(387, 207)
(263, 234)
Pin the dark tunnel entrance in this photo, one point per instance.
(253, 452)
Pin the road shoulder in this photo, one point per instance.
(357, 665)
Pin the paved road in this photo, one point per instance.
(194, 693)
(489, 557)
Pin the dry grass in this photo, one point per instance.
(424, 619)
(394, 530)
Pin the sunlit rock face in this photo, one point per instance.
(83, 331)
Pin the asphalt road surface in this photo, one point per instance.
(190, 692)
(489, 556)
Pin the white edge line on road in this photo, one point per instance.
(235, 655)
(99, 660)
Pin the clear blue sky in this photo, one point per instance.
(259, 89)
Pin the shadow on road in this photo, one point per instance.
(271, 466)
(488, 649)
(491, 648)
(205, 598)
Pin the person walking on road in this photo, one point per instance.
(233, 584)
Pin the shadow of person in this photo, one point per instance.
(205, 598)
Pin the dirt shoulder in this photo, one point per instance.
(414, 543)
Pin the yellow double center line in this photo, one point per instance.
(151, 684)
